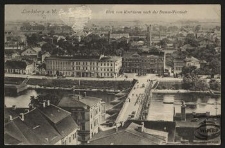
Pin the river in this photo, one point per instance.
(22, 100)
(158, 109)
(203, 103)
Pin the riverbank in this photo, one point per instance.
(168, 91)
(62, 88)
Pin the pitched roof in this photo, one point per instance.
(10, 51)
(66, 126)
(70, 102)
(109, 58)
(15, 64)
(11, 129)
(41, 127)
(82, 102)
(13, 112)
(191, 59)
(19, 130)
(54, 113)
(8, 139)
(75, 57)
(128, 136)
(90, 101)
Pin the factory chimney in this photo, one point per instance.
(149, 28)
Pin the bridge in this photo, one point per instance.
(136, 103)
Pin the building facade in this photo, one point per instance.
(19, 67)
(83, 66)
(144, 63)
(87, 112)
(179, 63)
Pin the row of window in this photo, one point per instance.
(78, 68)
(79, 63)
(72, 137)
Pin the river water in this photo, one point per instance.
(158, 109)
(22, 100)
(203, 103)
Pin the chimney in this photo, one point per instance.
(14, 107)
(43, 104)
(22, 116)
(116, 128)
(26, 110)
(194, 114)
(142, 126)
(207, 114)
(10, 117)
(149, 36)
(48, 102)
(122, 123)
(183, 113)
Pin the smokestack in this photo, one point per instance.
(43, 104)
(149, 36)
(183, 113)
(48, 102)
(142, 126)
(22, 116)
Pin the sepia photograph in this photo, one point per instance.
(112, 74)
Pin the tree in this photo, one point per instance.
(189, 81)
(190, 39)
(48, 47)
(201, 85)
(214, 85)
(33, 39)
(163, 43)
(215, 66)
(188, 70)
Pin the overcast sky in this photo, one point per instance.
(193, 12)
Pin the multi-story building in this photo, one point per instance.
(31, 51)
(179, 63)
(19, 66)
(88, 113)
(45, 125)
(84, 66)
(143, 63)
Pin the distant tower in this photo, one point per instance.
(183, 113)
(149, 36)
